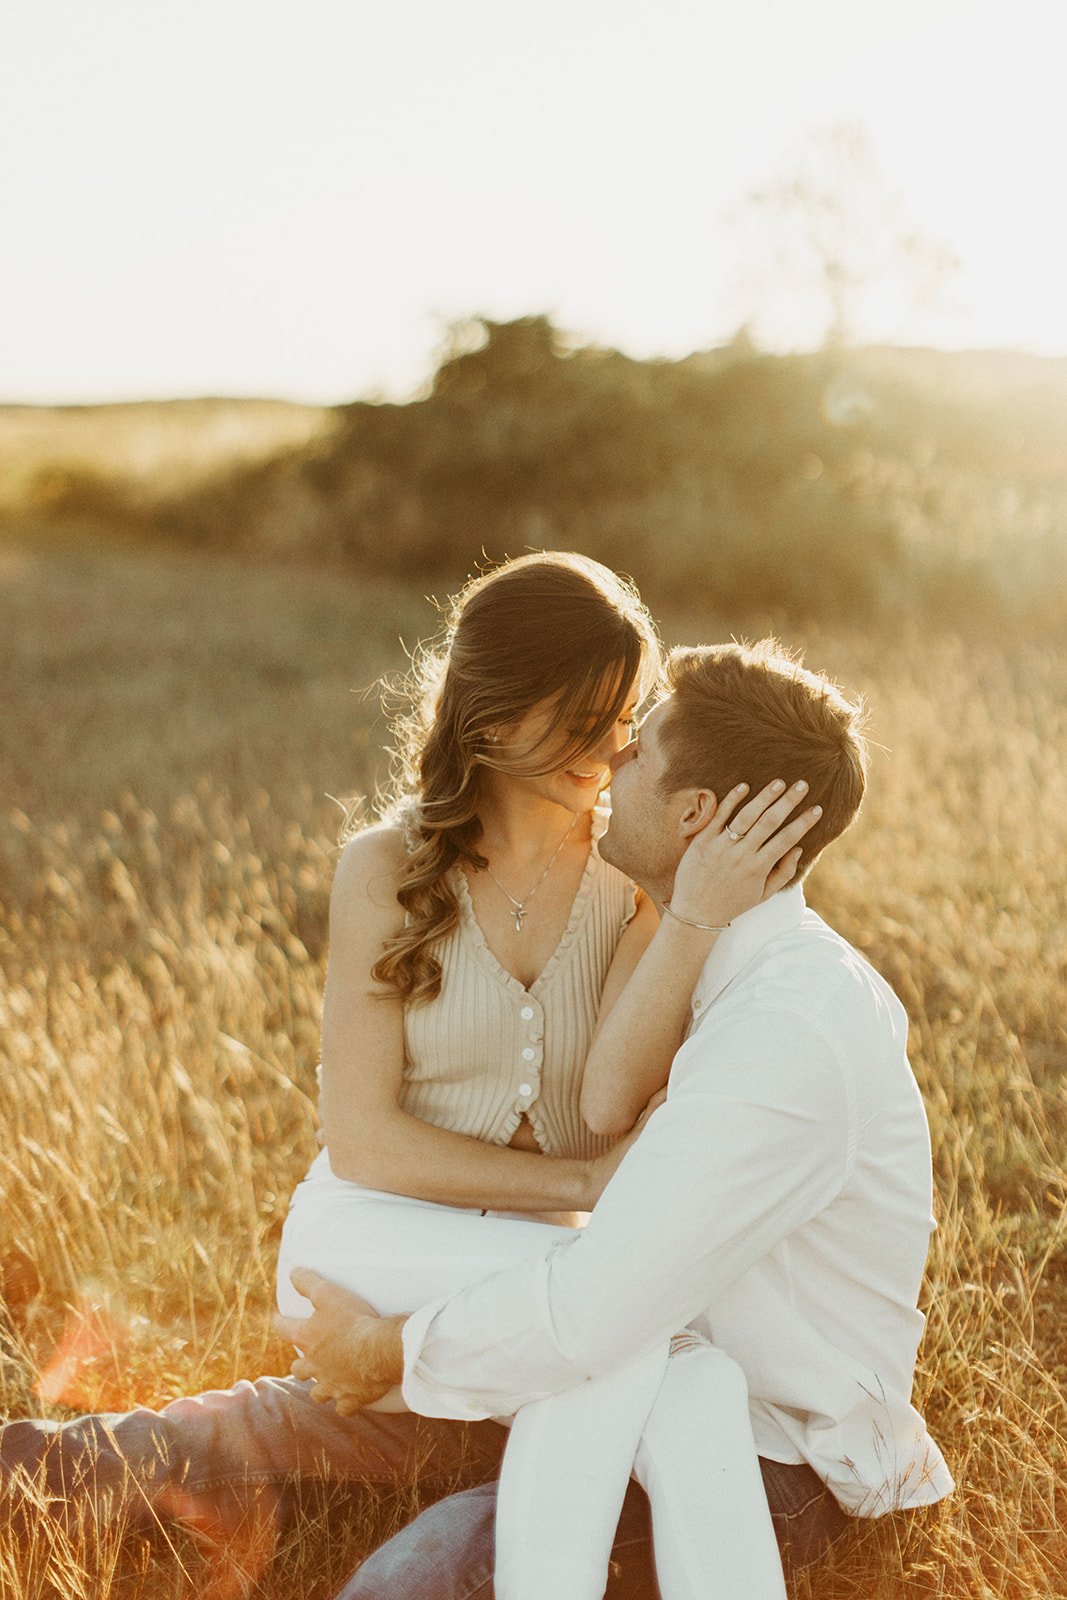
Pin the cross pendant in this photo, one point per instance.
(520, 912)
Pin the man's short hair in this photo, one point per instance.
(752, 713)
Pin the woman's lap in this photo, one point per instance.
(396, 1252)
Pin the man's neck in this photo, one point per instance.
(659, 892)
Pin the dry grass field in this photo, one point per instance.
(173, 725)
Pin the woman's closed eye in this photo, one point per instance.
(629, 721)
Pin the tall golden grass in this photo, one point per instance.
(173, 728)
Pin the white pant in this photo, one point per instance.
(679, 1423)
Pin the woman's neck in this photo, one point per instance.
(524, 827)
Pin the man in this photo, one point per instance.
(778, 1202)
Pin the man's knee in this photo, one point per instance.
(445, 1554)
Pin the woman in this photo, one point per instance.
(481, 912)
(479, 960)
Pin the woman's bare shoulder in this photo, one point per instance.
(368, 869)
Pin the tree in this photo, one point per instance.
(833, 252)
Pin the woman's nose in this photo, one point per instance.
(613, 741)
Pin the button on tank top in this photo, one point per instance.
(487, 1051)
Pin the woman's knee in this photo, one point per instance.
(696, 1364)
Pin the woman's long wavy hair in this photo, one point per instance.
(549, 627)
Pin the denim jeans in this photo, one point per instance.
(208, 1456)
(447, 1552)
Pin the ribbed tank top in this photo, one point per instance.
(487, 1051)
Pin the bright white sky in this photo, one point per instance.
(288, 197)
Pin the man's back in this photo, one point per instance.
(806, 1046)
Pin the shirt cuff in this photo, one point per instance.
(420, 1392)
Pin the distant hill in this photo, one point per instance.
(155, 446)
(875, 482)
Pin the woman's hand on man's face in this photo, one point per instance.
(743, 854)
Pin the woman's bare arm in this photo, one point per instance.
(643, 1013)
(371, 1140)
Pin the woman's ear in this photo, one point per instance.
(699, 811)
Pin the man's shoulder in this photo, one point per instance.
(822, 955)
(812, 974)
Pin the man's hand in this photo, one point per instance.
(353, 1355)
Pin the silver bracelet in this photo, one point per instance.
(705, 927)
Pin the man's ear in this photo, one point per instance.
(700, 808)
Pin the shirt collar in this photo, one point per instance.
(744, 939)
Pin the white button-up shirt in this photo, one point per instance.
(780, 1201)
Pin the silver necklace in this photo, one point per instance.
(519, 906)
